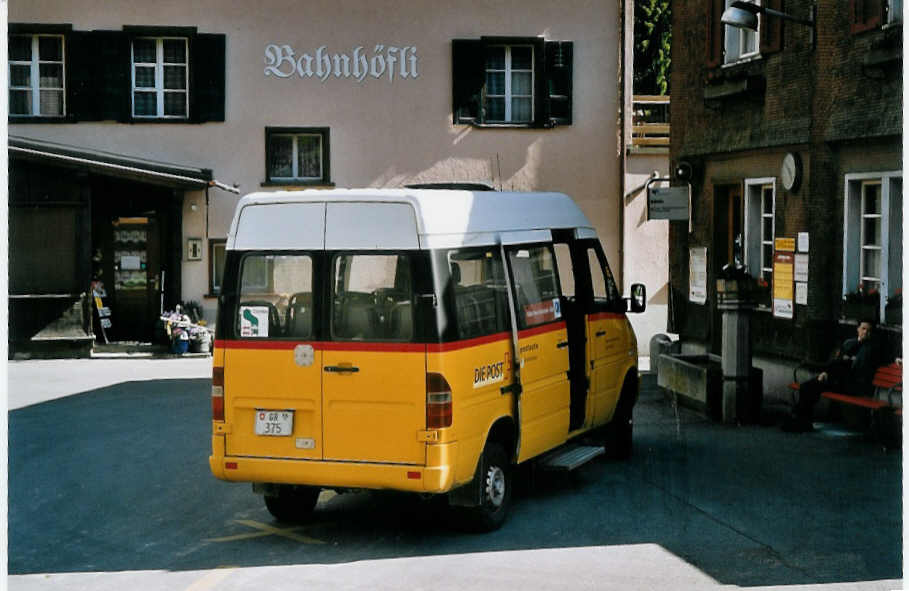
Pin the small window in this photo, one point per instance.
(275, 296)
(160, 77)
(297, 156)
(742, 44)
(480, 292)
(372, 298)
(894, 11)
(873, 239)
(760, 210)
(217, 252)
(36, 76)
(536, 285)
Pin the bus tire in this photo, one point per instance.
(292, 504)
(495, 483)
(619, 442)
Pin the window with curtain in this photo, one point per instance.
(297, 156)
(160, 74)
(509, 84)
(36, 76)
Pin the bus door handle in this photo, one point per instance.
(562, 345)
(601, 333)
(341, 369)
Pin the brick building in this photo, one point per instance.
(794, 134)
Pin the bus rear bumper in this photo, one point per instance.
(437, 476)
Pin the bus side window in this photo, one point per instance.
(566, 271)
(604, 288)
(478, 279)
(536, 286)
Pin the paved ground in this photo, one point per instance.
(109, 489)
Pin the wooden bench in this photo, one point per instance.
(888, 385)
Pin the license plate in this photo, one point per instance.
(276, 423)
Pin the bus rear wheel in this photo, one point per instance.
(291, 503)
(495, 483)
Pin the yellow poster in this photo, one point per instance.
(783, 275)
(787, 244)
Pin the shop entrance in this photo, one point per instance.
(132, 236)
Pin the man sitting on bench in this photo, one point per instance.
(850, 372)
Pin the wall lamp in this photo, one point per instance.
(743, 15)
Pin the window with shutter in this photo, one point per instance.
(865, 15)
(511, 82)
(37, 72)
(139, 74)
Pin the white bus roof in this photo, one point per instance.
(399, 219)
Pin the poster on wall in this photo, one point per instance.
(697, 278)
(783, 273)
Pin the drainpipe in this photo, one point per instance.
(624, 7)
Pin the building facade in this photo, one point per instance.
(134, 130)
(791, 139)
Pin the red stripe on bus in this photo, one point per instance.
(386, 347)
(606, 316)
(321, 346)
(538, 330)
(467, 343)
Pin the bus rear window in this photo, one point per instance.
(275, 297)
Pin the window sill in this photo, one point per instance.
(210, 296)
(742, 61)
(160, 120)
(39, 119)
(532, 125)
(299, 184)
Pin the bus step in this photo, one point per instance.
(570, 458)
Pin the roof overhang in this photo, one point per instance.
(118, 165)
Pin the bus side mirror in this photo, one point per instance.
(637, 303)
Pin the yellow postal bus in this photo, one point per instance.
(417, 340)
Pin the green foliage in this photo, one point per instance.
(652, 42)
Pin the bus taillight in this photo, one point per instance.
(438, 402)
(217, 393)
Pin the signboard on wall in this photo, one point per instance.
(783, 273)
(697, 275)
(667, 203)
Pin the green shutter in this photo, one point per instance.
(557, 75)
(81, 91)
(467, 80)
(207, 77)
(112, 78)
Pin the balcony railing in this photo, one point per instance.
(650, 121)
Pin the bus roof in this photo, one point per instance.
(439, 218)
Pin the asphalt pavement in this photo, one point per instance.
(109, 489)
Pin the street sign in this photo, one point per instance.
(667, 203)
